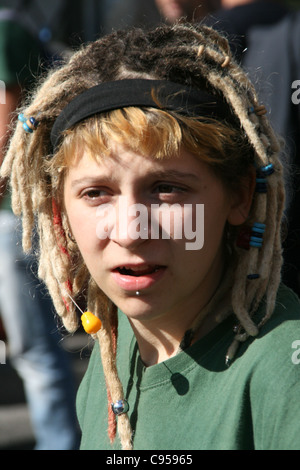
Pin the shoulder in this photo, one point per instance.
(274, 376)
(285, 320)
(268, 360)
(276, 338)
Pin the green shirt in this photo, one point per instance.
(193, 401)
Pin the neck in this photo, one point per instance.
(157, 344)
(159, 338)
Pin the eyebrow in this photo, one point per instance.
(172, 173)
(158, 174)
(92, 180)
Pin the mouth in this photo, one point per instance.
(138, 271)
(138, 277)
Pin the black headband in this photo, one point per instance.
(138, 92)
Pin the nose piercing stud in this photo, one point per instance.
(137, 293)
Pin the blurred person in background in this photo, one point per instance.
(119, 14)
(26, 310)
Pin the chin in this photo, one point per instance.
(137, 308)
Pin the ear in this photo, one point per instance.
(241, 199)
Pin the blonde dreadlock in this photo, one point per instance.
(189, 55)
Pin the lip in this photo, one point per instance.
(140, 281)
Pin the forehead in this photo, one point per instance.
(125, 165)
(123, 158)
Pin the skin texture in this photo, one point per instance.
(176, 283)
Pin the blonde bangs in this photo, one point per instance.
(151, 132)
(156, 134)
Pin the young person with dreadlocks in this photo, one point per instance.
(195, 341)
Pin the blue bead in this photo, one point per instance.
(251, 277)
(22, 118)
(256, 239)
(255, 244)
(268, 169)
(29, 124)
(27, 128)
(33, 121)
(257, 227)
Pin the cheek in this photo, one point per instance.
(83, 229)
(215, 218)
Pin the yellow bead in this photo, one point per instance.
(90, 323)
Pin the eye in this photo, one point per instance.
(170, 193)
(95, 195)
(167, 188)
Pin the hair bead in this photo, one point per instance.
(267, 170)
(261, 181)
(261, 185)
(120, 407)
(226, 62)
(90, 323)
(258, 110)
(200, 50)
(258, 227)
(258, 230)
(251, 236)
(29, 124)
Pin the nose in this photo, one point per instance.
(132, 224)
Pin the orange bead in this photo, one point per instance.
(90, 323)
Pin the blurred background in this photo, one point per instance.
(43, 365)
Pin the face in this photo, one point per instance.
(173, 279)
